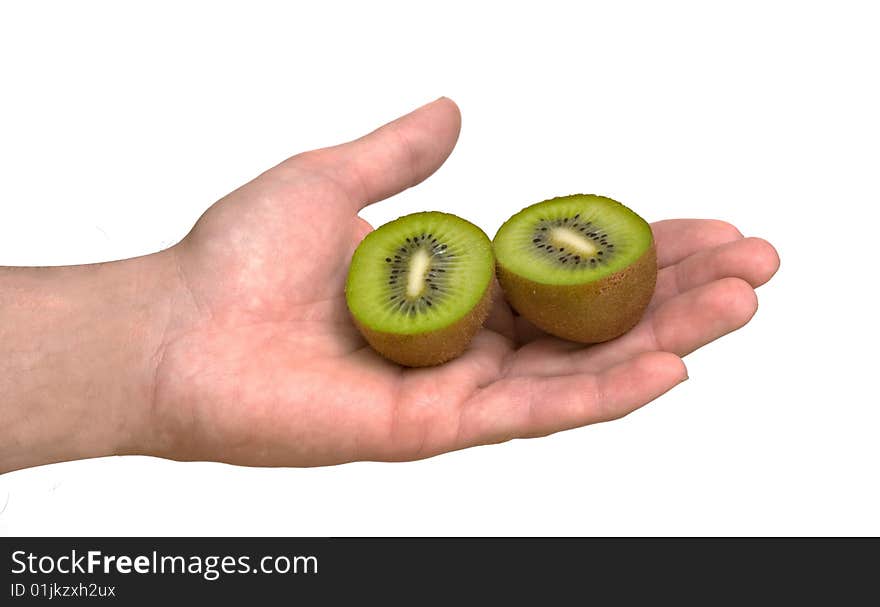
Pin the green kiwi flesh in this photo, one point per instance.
(580, 267)
(418, 288)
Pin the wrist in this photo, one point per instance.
(78, 352)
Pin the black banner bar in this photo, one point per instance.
(132, 571)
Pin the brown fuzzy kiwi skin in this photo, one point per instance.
(588, 313)
(433, 347)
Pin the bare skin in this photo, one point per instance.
(235, 345)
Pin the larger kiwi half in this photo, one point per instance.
(580, 267)
(419, 287)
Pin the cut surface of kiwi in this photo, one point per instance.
(581, 267)
(418, 287)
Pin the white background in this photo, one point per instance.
(119, 126)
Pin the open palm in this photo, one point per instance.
(261, 364)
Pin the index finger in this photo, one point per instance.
(677, 239)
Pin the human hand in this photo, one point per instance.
(259, 363)
(236, 345)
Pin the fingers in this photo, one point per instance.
(392, 158)
(537, 406)
(681, 325)
(680, 238)
(751, 259)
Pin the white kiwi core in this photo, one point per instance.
(572, 240)
(419, 264)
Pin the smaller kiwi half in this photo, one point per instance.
(580, 267)
(419, 287)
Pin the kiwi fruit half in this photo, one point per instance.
(419, 287)
(580, 267)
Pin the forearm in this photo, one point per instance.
(77, 352)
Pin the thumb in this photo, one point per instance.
(392, 158)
